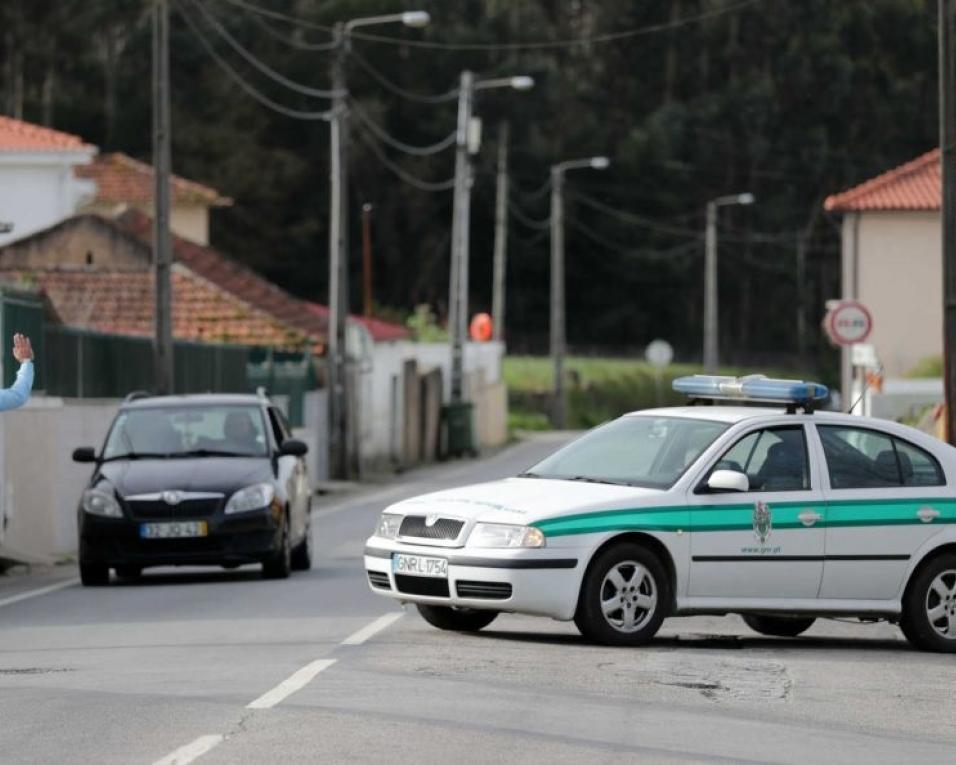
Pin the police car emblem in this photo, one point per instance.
(763, 521)
(431, 520)
(172, 497)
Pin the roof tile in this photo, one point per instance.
(123, 180)
(915, 185)
(17, 135)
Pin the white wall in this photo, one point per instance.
(41, 485)
(39, 189)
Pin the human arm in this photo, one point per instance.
(19, 393)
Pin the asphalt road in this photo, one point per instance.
(224, 667)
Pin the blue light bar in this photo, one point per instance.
(751, 388)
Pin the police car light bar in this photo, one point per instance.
(752, 388)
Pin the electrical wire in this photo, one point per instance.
(530, 241)
(237, 78)
(632, 218)
(411, 180)
(275, 34)
(533, 196)
(386, 83)
(527, 220)
(537, 45)
(386, 138)
(267, 70)
(688, 248)
(279, 16)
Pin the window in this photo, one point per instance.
(279, 429)
(634, 450)
(774, 459)
(858, 458)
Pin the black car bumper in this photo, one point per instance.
(246, 538)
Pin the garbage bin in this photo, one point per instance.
(459, 438)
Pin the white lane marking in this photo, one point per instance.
(291, 684)
(191, 751)
(369, 630)
(37, 592)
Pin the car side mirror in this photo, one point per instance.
(293, 447)
(728, 480)
(84, 454)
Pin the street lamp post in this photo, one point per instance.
(458, 287)
(558, 409)
(339, 235)
(711, 355)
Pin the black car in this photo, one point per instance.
(210, 479)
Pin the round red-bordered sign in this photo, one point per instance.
(849, 322)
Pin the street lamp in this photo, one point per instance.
(458, 288)
(338, 235)
(557, 277)
(710, 276)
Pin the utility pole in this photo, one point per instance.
(947, 138)
(457, 310)
(710, 290)
(557, 295)
(162, 244)
(501, 236)
(338, 264)
(367, 259)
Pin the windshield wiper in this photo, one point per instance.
(211, 453)
(589, 479)
(529, 474)
(138, 456)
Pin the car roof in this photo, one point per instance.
(735, 414)
(195, 399)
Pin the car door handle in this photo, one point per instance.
(927, 514)
(809, 517)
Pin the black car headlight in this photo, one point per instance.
(256, 497)
(98, 502)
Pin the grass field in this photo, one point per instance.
(599, 389)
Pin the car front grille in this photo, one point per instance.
(158, 510)
(421, 585)
(443, 528)
(379, 579)
(483, 590)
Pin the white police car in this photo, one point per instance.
(778, 513)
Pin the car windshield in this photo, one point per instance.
(646, 451)
(170, 431)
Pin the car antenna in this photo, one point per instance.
(866, 387)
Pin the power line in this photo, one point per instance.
(603, 38)
(533, 196)
(237, 78)
(688, 248)
(269, 13)
(527, 220)
(386, 83)
(632, 218)
(530, 241)
(411, 180)
(384, 137)
(267, 70)
(292, 42)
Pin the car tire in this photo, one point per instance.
(624, 597)
(929, 607)
(302, 552)
(778, 626)
(129, 572)
(94, 574)
(279, 566)
(457, 619)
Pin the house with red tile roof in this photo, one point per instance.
(38, 185)
(123, 182)
(892, 261)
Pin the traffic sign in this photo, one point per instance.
(848, 322)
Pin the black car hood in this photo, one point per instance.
(219, 474)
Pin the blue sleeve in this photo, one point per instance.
(18, 393)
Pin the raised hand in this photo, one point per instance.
(22, 348)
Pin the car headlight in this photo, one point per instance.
(255, 497)
(98, 502)
(388, 525)
(505, 535)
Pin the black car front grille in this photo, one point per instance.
(379, 579)
(483, 590)
(443, 528)
(421, 585)
(158, 510)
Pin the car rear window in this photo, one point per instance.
(860, 458)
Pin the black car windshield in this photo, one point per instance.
(638, 450)
(171, 431)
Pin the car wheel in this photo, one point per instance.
(929, 609)
(280, 565)
(128, 572)
(778, 626)
(302, 552)
(624, 597)
(457, 619)
(94, 574)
